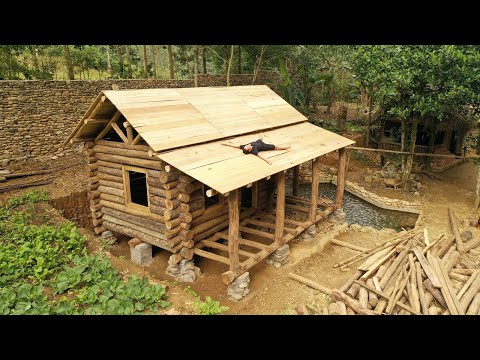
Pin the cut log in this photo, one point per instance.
(372, 297)
(111, 191)
(456, 233)
(167, 194)
(342, 309)
(448, 293)
(426, 267)
(121, 151)
(186, 198)
(125, 223)
(474, 305)
(421, 290)
(458, 277)
(441, 251)
(192, 206)
(355, 305)
(135, 233)
(396, 263)
(189, 188)
(435, 292)
(110, 178)
(363, 297)
(464, 271)
(122, 145)
(113, 198)
(310, 283)
(210, 223)
(221, 210)
(414, 286)
(168, 204)
(110, 171)
(472, 244)
(434, 310)
(432, 244)
(347, 245)
(468, 296)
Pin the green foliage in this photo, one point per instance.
(209, 306)
(358, 155)
(351, 127)
(56, 257)
(29, 197)
(190, 291)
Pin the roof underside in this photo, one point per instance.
(224, 168)
(171, 118)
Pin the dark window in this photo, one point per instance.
(423, 136)
(440, 138)
(247, 197)
(112, 135)
(210, 201)
(138, 188)
(392, 131)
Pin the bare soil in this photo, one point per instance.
(271, 291)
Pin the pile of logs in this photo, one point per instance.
(409, 275)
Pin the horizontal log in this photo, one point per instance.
(94, 194)
(94, 201)
(138, 234)
(109, 177)
(219, 211)
(132, 211)
(136, 219)
(186, 235)
(310, 283)
(150, 164)
(192, 206)
(472, 244)
(348, 245)
(166, 177)
(97, 222)
(129, 224)
(95, 207)
(184, 178)
(186, 198)
(94, 187)
(257, 232)
(186, 217)
(93, 167)
(224, 248)
(166, 203)
(354, 304)
(167, 194)
(122, 145)
(171, 214)
(111, 191)
(212, 256)
(170, 224)
(189, 188)
(186, 253)
(170, 185)
(102, 149)
(96, 214)
(111, 184)
(110, 164)
(113, 198)
(197, 229)
(110, 171)
(169, 233)
(100, 229)
(185, 226)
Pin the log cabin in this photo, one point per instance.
(158, 171)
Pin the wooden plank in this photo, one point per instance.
(280, 208)
(448, 287)
(347, 245)
(426, 267)
(268, 225)
(314, 194)
(456, 233)
(222, 247)
(234, 223)
(257, 232)
(243, 241)
(452, 307)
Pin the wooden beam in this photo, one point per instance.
(456, 233)
(243, 241)
(222, 247)
(137, 139)
(314, 195)
(109, 125)
(296, 176)
(120, 133)
(212, 256)
(415, 154)
(211, 192)
(340, 178)
(255, 194)
(280, 215)
(233, 228)
(257, 232)
(129, 128)
(95, 121)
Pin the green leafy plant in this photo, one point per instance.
(209, 306)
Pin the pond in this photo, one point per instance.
(359, 211)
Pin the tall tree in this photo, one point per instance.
(33, 50)
(129, 65)
(145, 61)
(195, 65)
(229, 66)
(154, 57)
(204, 59)
(258, 64)
(109, 63)
(239, 60)
(68, 58)
(121, 68)
(170, 61)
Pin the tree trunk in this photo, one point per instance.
(35, 60)
(239, 59)
(403, 143)
(195, 65)
(154, 56)
(431, 144)
(369, 121)
(145, 61)
(204, 59)
(409, 165)
(258, 64)
(109, 64)
(170, 61)
(68, 57)
(330, 96)
(477, 189)
(120, 61)
(129, 65)
(229, 67)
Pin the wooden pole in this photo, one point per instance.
(296, 175)
(456, 233)
(233, 229)
(340, 177)
(314, 196)
(280, 214)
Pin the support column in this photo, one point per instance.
(296, 175)
(280, 211)
(255, 194)
(233, 228)
(314, 197)
(342, 157)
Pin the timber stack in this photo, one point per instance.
(408, 275)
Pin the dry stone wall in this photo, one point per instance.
(37, 116)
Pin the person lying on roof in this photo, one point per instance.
(257, 146)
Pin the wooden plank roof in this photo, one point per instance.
(175, 117)
(224, 168)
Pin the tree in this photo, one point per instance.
(195, 74)
(229, 67)
(145, 61)
(121, 68)
(170, 61)
(129, 65)
(204, 59)
(68, 59)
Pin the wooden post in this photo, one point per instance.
(255, 194)
(296, 175)
(314, 197)
(340, 177)
(233, 228)
(280, 214)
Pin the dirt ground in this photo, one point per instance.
(271, 291)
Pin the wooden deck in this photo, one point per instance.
(257, 234)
